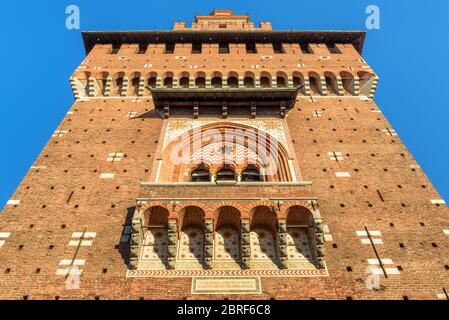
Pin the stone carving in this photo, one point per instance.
(208, 243)
(134, 251)
(136, 239)
(282, 238)
(172, 231)
(320, 263)
(171, 263)
(319, 238)
(281, 242)
(283, 263)
(171, 251)
(133, 262)
(172, 238)
(245, 245)
(209, 238)
(245, 239)
(172, 227)
(320, 250)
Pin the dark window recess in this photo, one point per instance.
(333, 48)
(251, 175)
(222, 25)
(142, 48)
(223, 47)
(200, 175)
(278, 48)
(226, 175)
(115, 48)
(169, 48)
(197, 47)
(305, 48)
(151, 82)
(251, 47)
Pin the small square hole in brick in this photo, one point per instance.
(405, 297)
(50, 247)
(401, 245)
(7, 270)
(349, 269)
(56, 297)
(422, 224)
(105, 270)
(25, 297)
(348, 298)
(38, 270)
(400, 268)
(434, 245)
(342, 205)
(20, 247)
(446, 266)
(63, 226)
(391, 224)
(334, 245)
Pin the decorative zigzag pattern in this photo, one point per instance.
(234, 273)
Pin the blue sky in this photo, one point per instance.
(38, 55)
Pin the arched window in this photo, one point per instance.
(184, 82)
(248, 82)
(233, 82)
(251, 174)
(135, 85)
(118, 85)
(151, 82)
(200, 175)
(265, 82)
(168, 82)
(200, 82)
(281, 81)
(216, 82)
(226, 174)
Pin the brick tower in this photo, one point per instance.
(224, 158)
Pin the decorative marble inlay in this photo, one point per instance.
(226, 285)
(191, 244)
(271, 126)
(262, 244)
(227, 244)
(234, 273)
(238, 154)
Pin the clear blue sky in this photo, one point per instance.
(38, 54)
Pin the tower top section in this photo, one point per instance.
(222, 19)
(223, 26)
